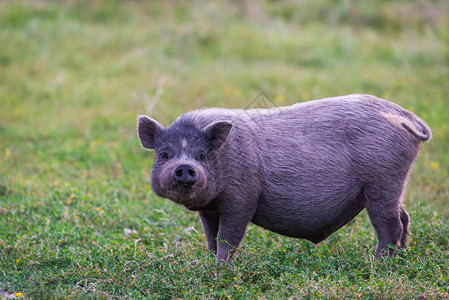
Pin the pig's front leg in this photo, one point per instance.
(210, 222)
(231, 230)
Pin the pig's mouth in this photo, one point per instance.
(182, 188)
(184, 193)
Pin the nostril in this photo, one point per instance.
(192, 172)
(179, 173)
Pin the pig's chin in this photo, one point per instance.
(182, 192)
(185, 195)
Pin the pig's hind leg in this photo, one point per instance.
(389, 219)
(405, 219)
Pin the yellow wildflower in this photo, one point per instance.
(305, 96)
(280, 98)
(434, 165)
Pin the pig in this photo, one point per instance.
(301, 171)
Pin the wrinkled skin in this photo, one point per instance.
(302, 171)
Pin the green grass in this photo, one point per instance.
(74, 76)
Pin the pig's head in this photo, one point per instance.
(185, 162)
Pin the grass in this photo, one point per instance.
(77, 216)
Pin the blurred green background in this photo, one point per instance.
(74, 75)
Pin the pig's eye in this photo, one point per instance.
(201, 156)
(163, 155)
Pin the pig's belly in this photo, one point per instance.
(311, 219)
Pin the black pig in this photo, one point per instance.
(302, 171)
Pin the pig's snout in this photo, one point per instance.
(185, 174)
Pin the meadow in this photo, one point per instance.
(78, 219)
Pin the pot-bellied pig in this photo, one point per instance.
(302, 171)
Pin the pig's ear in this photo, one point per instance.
(218, 133)
(148, 129)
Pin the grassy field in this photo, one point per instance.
(77, 216)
